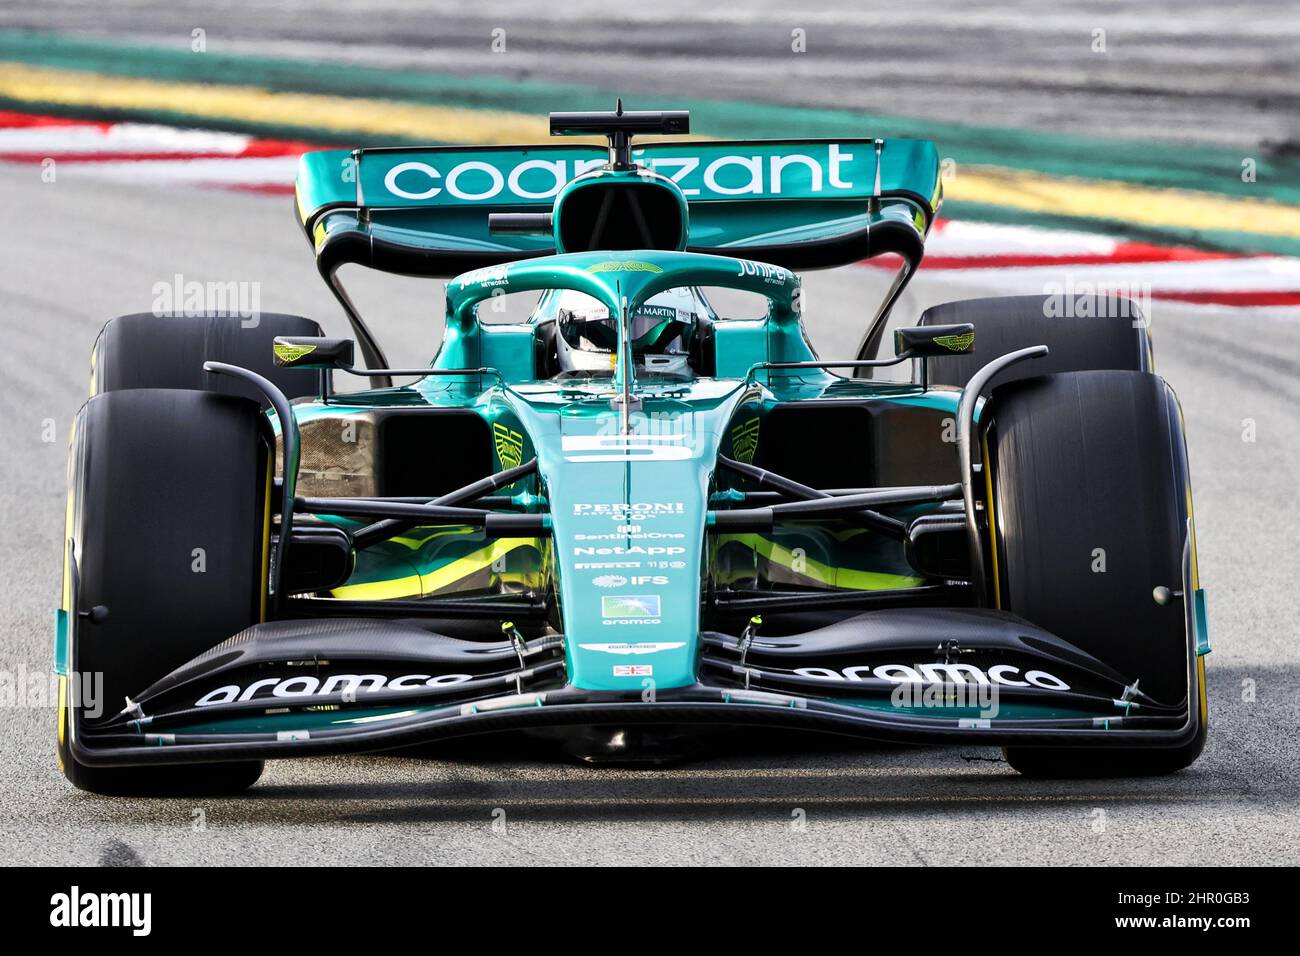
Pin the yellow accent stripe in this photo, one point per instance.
(823, 573)
(993, 519)
(63, 714)
(69, 518)
(1205, 698)
(419, 585)
(1140, 205)
(381, 590)
(416, 543)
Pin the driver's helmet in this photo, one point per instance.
(588, 334)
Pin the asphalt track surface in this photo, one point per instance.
(77, 252)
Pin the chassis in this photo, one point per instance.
(766, 543)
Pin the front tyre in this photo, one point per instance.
(1088, 504)
(166, 554)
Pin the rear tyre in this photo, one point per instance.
(1089, 504)
(168, 351)
(168, 523)
(1082, 333)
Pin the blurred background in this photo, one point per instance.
(1151, 146)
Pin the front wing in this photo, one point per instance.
(733, 691)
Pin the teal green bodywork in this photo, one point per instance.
(741, 195)
(627, 502)
(626, 462)
(534, 175)
(1200, 622)
(61, 642)
(627, 486)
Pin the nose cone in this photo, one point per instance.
(628, 515)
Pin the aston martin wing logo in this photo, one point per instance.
(624, 265)
(286, 353)
(645, 647)
(744, 441)
(956, 343)
(510, 445)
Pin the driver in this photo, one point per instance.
(588, 334)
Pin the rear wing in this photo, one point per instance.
(801, 204)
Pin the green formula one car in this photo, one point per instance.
(625, 520)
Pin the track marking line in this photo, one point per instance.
(1122, 202)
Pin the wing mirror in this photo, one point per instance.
(930, 341)
(304, 351)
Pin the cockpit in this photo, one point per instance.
(670, 334)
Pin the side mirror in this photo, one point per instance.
(303, 351)
(926, 341)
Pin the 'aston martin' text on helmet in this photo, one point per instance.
(588, 334)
